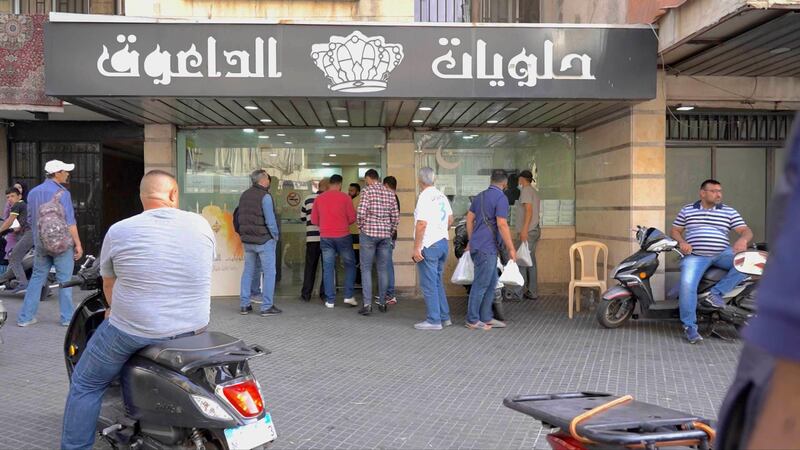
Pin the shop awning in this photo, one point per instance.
(357, 74)
(751, 42)
(331, 113)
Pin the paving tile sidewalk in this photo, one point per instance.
(339, 380)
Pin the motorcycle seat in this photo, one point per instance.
(182, 352)
(714, 274)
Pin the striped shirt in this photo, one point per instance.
(312, 231)
(707, 229)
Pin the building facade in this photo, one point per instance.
(620, 108)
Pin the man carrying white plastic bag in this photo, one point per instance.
(526, 233)
(487, 229)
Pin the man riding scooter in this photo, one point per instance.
(701, 229)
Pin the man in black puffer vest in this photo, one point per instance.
(258, 229)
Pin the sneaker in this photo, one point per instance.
(329, 304)
(366, 310)
(425, 325)
(497, 324)
(478, 326)
(272, 311)
(692, 335)
(19, 289)
(391, 301)
(28, 323)
(530, 296)
(351, 301)
(245, 310)
(382, 307)
(447, 323)
(715, 300)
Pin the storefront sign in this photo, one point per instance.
(294, 60)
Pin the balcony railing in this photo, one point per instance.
(31, 7)
(494, 11)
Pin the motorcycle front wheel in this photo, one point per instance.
(615, 312)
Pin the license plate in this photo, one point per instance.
(251, 435)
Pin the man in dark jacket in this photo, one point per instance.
(258, 229)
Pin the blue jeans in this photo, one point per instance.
(64, 264)
(431, 270)
(481, 294)
(390, 272)
(255, 288)
(107, 351)
(692, 269)
(378, 250)
(342, 246)
(265, 254)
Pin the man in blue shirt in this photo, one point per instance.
(487, 228)
(258, 229)
(57, 175)
(702, 230)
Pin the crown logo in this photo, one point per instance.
(357, 63)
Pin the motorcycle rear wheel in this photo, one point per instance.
(615, 312)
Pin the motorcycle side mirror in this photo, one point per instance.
(750, 262)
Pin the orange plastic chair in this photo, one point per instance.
(589, 252)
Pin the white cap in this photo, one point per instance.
(55, 165)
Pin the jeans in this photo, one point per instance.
(529, 273)
(431, 270)
(313, 256)
(253, 253)
(342, 246)
(390, 272)
(22, 248)
(107, 351)
(64, 264)
(481, 294)
(255, 288)
(379, 250)
(692, 269)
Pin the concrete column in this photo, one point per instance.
(620, 179)
(160, 148)
(400, 164)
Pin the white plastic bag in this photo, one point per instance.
(524, 255)
(511, 275)
(465, 271)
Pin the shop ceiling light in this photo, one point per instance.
(263, 136)
(332, 155)
(469, 137)
(338, 108)
(362, 164)
(522, 131)
(684, 108)
(330, 137)
(273, 154)
(281, 134)
(251, 107)
(266, 120)
(326, 164)
(458, 131)
(341, 121)
(345, 135)
(320, 130)
(492, 121)
(417, 120)
(248, 130)
(425, 108)
(779, 50)
(510, 108)
(288, 142)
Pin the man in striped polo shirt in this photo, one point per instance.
(702, 230)
(313, 252)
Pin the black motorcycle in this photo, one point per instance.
(633, 274)
(194, 392)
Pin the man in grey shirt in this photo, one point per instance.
(526, 229)
(156, 269)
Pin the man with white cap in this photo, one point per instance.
(57, 175)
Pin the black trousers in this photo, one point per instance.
(313, 257)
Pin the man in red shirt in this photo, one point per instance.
(333, 212)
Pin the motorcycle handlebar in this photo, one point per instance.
(74, 281)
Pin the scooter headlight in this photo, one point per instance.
(211, 408)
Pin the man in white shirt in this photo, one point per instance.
(432, 217)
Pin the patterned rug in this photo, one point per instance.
(22, 64)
